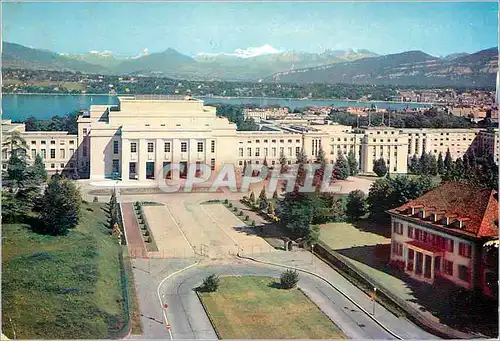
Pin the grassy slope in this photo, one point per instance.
(252, 307)
(62, 287)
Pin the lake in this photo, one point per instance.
(19, 107)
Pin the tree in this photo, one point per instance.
(379, 167)
(275, 194)
(353, 163)
(423, 164)
(313, 234)
(252, 198)
(356, 205)
(388, 193)
(432, 164)
(413, 166)
(15, 142)
(61, 207)
(448, 161)
(295, 213)
(265, 161)
(211, 283)
(289, 279)
(283, 163)
(321, 157)
(245, 167)
(301, 171)
(342, 166)
(17, 172)
(38, 170)
(440, 164)
(270, 209)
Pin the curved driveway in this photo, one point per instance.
(188, 320)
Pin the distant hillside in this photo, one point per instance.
(22, 57)
(407, 68)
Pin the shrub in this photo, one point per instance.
(146, 233)
(240, 214)
(147, 239)
(247, 217)
(211, 283)
(252, 223)
(235, 209)
(226, 201)
(289, 279)
(230, 205)
(95, 199)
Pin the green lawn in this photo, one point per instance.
(65, 287)
(255, 308)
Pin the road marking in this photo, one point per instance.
(159, 297)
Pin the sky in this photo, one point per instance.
(213, 27)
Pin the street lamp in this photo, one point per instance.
(373, 299)
(312, 253)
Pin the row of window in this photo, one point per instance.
(33, 142)
(43, 153)
(167, 147)
(266, 151)
(443, 243)
(273, 141)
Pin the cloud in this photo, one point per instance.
(247, 52)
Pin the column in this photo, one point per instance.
(423, 265)
(125, 154)
(414, 261)
(406, 258)
(142, 149)
(159, 160)
(433, 260)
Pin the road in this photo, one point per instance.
(189, 321)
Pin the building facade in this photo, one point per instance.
(137, 138)
(443, 233)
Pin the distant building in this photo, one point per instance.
(443, 233)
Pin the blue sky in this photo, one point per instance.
(129, 28)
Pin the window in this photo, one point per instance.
(116, 166)
(43, 142)
(282, 151)
(273, 162)
(44, 153)
(410, 232)
(200, 147)
(33, 142)
(397, 228)
(115, 147)
(297, 151)
(52, 165)
(274, 151)
(463, 273)
(212, 146)
(257, 151)
(71, 142)
(448, 267)
(282, 141)
(257, 141)
(133, 147)
(212, 164)
(265, 141)
(184, 147)
(240, 152)
(33, 153)
(265, 152)
(62, 165)
(289, 141)
(52, 142)
(397, 249)
(289, 151)
(84, 131)
(249, 151)
(273, 141)
(62, 153)
(52, 153)
(4, 166)
(240, 163)
(449, 245)
(131, 167)
(464, 250)
(150, 147)
(71, 165)
(71, 152)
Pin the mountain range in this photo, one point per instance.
(266, 64)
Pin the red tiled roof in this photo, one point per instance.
(463, 201)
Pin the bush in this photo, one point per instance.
(289, 279)
(147, 239)
(230, 205)
(240, 214)
(211, 283)
(235, 209)
(146, 233)
(252, 223)
(246, 218)
(226, 201)
(95, 199)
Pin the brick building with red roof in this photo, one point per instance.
(443, 232)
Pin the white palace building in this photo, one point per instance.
(134, 140)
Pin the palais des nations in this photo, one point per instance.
(134, 140)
